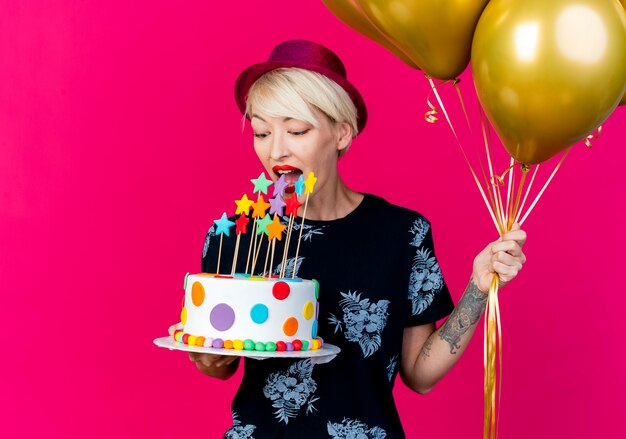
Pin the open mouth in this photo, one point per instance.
(291, 175)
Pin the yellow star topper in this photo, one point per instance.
(244, 205)
(276, 229)
(309, 183)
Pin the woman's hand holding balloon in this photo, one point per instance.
(504, 257)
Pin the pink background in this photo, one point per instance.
(120, 142)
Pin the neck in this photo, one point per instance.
(333, 201)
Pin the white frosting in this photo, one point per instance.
(242, 294)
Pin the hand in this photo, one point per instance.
(205, 362)
(503, 256)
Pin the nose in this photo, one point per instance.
(278, 147)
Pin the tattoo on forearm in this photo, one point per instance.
(426, 347)
(466, 313)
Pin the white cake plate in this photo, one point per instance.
(318, 356)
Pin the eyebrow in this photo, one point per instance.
(286, 119)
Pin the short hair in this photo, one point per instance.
(291, 92)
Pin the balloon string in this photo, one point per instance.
(469, 165)
(593, 136)
(515, 211)
(455, 84)
(545, 185)
(484, 128)
(530, 185)
(509, 189)
(493, 349)
(433, 87)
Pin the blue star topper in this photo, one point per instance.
(223, 225)
(300, 186)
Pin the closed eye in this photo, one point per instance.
(261, 135)
(299, 133)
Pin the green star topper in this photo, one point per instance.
(261, 184)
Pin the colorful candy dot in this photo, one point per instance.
(315, 344)
(290, 326)
(183, 316)
(197, 293)
(259, 313)
(208, 343)
(218, 343)
(228, 344)
(222, 317)
(308, 310)
(238, 345)
(179, 336)
(305, 345)
(289, 347)
(185, 285)
(281, 346)
(259, 346)
(200, 341)
(248, 345)
(297, 345)
(270, 346)
(280, 290)
(317, 311)
(178, 331)
(185, 338)
(191, 341)
(317, 288)
(321, 340)
(314, 329)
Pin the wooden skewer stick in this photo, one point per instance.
(250, 247)
(232, 271)
(286, 250)
(256, 256)
(267, 255)
(219, 254)
(269, 273)
(295, 261)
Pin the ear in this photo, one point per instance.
(344, 136)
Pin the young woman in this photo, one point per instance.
(380, 293)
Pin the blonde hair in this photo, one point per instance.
(291, 92)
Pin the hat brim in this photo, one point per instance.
(255, 71)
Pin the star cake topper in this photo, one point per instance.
(223, 225)
(276, 229)
(260, 207)
(292, 205)
(243, 205)
(242, 224)
(261, 225)
(261, 183)
(277, 205)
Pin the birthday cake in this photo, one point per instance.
(253, 313)
(249, 313)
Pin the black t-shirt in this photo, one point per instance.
(378, 274)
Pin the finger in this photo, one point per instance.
(510, 247)
(515, 235)
(506, 272)
(172, 329)
(506, 259)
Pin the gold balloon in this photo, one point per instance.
(435, 34)
(623, 101)
(549, 72)
(349, 12)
